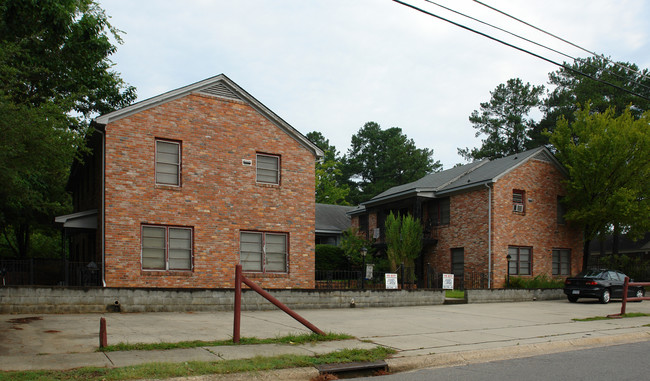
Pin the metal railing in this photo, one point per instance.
(429, 279)
(49, 272)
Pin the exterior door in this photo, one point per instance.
(458, 266)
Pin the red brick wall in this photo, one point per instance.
(467, 229)
(219, 196)
(537, 227)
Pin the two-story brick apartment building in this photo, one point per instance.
(185, 185)
(476, 214)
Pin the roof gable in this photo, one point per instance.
(218, 86)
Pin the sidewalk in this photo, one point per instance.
(423, 336)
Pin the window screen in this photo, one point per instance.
(268, 169)
(166, 248)
(168, 163)
(263, 252)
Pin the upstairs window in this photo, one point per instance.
(518, 201)
(268, 169)
(439, 212)
(168, 162)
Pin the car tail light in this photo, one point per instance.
(567, 281)
(591, 283)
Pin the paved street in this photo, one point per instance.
(617, 362)
(424, 336)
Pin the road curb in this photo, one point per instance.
(443, 360)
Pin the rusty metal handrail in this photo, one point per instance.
(239, 279)
(626, 285)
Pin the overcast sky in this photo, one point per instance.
(333, 65)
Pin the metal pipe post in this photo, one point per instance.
(626, 286)
(237, 322)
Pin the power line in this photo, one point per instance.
(536, 43)
(520, 49)
(563, 40)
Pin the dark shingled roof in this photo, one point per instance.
(332, 218)
(465, 176)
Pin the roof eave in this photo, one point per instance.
(416, 192)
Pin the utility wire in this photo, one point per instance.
(520, 49)
(536, 43)
(563, 40)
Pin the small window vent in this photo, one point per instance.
(220, 90)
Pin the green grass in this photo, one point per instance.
(629, 315)
(454, 294)
(289, 339)
(196, 368)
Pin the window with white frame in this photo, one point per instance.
(166, 248)
(518, 201)
(168, 162)
(520, 262)
(561, 262)
(263, 252)
(268, 169)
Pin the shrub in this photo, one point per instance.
(330, 257)
(539, 281)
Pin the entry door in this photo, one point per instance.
(458, 262)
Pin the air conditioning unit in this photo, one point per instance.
(519, 208)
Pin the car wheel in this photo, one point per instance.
(572, 298)
(605, 296)
(639, 294)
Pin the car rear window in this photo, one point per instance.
(596, 274)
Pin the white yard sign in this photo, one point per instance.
(447, 281)
(391, 281)
(369, 270)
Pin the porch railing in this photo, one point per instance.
(49, 272)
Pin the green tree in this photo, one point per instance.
(36, 150)
(608, 160)
(329, 187)
(504, 120)
(352, 244)
(571, 89)
(380, 159)
(54, 76)
(58, 52)
(404, 241)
